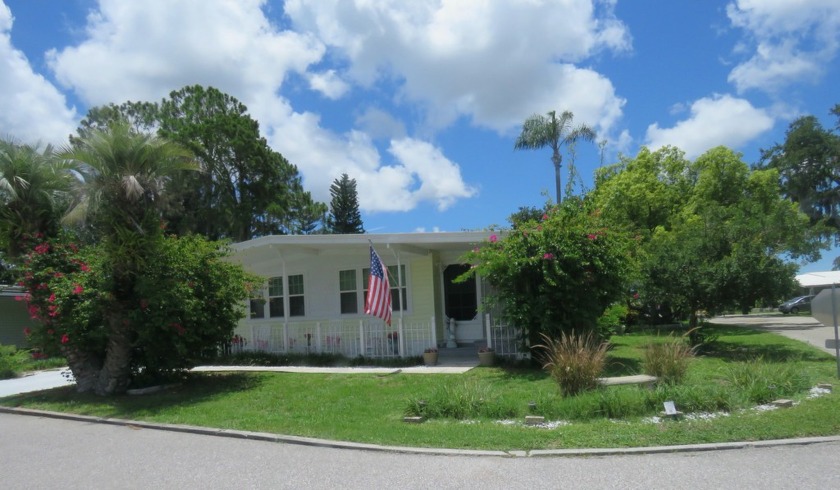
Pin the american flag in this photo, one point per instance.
(378, 301)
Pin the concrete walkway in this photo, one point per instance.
(802, 328)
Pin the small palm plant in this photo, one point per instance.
(575, 361)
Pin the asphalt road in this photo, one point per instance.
(48, 453)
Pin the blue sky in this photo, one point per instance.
(421, 101)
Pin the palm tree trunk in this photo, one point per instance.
(85, 368)
(116, 371)
(556, 159)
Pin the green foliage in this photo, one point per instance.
(344, 207)
(613, 319)
(761, 382)
(710, 234)
(245, 189)
(11, 360)
(460, 400)
(186, 304)
(575, 361)
(668, 360)
(35, 189)
(807, 170)
(554, 275)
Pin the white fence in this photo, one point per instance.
(504, 339)
(368, 338)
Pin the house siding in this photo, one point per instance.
(13, 319)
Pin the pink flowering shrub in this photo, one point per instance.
(188, 301)
(555, 274)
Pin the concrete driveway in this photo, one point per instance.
(802, 328)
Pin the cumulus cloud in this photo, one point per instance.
(492, 62)
(714, 121)
(31, 108)
(329, 84)
(792, 41)
(142, 51)
(419, 172)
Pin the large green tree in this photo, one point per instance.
(540, 131)
(808, 165)
(125, 173)
(344, 207)
(711, 233)
(245, 188)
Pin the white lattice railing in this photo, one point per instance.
(504, 339)
(368, 338)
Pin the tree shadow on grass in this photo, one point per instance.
(768, 352)
(196, 388)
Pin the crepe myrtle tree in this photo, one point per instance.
(556, 274)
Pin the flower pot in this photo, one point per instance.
(430, 358)
(486, 358)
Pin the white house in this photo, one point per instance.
(313, 297)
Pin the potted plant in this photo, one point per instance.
(486, 356)
(430, 356)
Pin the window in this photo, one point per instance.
(348, 291)
(276, 307)
(296, 305)
(393, 278)
(257, 303)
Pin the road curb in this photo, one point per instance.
(309, 441)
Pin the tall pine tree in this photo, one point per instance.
(344, 207)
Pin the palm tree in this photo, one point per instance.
(540, 131)
(124, 173)
(35, 191)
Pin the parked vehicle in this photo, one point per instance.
(795, 305)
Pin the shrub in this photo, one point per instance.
(11, 361)
(557, 274)
(668, 360)
(574, 361)
(761, 382)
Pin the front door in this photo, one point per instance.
(461, 303)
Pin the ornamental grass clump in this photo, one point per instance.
(575, 361)
(668, 360)
(759, 381)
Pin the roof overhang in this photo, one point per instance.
(815, 279)
(293, 247)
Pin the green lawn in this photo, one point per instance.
(370, 408)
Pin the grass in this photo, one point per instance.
(14, 362)
(465, 409)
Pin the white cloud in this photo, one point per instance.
(143, 50)
(31, 109)
(717, 120)
(793, 40)
(329, 84)
(493, 62)
(419, 174)
(380, 124)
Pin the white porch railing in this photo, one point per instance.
(368, 338)
(504, 339)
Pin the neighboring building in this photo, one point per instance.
(13, 317)
(314, 295)
(814, 282)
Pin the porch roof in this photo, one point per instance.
(271, 247)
